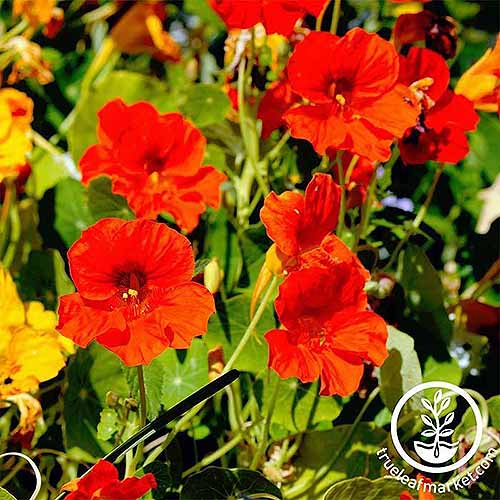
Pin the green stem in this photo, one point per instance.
(323, 471)
(142, 420)
(251, 327)
(366, 210)
(419, 218)
(340, 170)
(350, 168)
(265, 428)
(15, 31)
(274, 152)
(319, 20)
(335, 17)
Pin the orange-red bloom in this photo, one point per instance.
(134, 290)
(355, 102)
(329, 333)
(422, 494)
(481, 82)
(439, 134)
(301, 227)
(439, 32)
(154, 161)
(277, 16)
(103, 483)
(278, 98)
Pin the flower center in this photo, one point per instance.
(420, 89)
(339, 90)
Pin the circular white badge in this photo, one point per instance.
(437, 424)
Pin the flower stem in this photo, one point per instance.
(340, 170)
(335, 17)
(251, 327)
(366, 210)
(267, 425)
(323, 471)
(142, 420)
(419, 218)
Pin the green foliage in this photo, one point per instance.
(401, 370)
(103, 203)
(206, 104)
(172, 376)
(216, 483)
(5, 495)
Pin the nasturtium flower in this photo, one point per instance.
(481, 82)
(155, 161)
(103, 483)
(439, 133)
(438, 32)
(354, 100)
(16, 113)
(277, 16)
(31, 350)
(140, 30)
(327, 331)
(301, 226)
(134, 290)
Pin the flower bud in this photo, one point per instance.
(213, 276)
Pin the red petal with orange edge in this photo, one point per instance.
(363, 333)
(340, 373)
(131, 488)
(281, 216)
(82, 323)
(291, 360)
(187, 308)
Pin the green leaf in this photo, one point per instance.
(46, 171)
(449, 371)
(131, 87)
(91, 374)
(358, 458)
(401, 370)
(228, 326)
(204, 12)
(50, 280)
(72, 212)
(103, 203)
(166, 478)
(295, 403)
(424, 293)
(5, 495)
(172, 376)
(206, 104)
(217, 483)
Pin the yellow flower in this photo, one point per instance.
(16, 114)
(481, 82)
(34, 11)
(140, 30)
(31, 351)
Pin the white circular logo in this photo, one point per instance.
(437, 420)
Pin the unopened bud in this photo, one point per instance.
(213, 276)
(112, 399)
(215, 362)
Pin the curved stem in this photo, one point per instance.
(323, 471)
(251, 327)
(335, 17)
(142, 420)
(340, 170)
(419, 218)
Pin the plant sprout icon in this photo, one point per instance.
(438, 451)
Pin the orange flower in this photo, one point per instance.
(16, 113)
(140, 30)
(103, 483)
(328, 331)
(355, 102)
(422, 495)
(38, 12)
(481, 82)
(154, 161)
(135, 295)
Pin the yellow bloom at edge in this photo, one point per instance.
(35, 11)
(481, 82)
(16, 114)
(31, 351)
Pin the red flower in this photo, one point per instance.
(102, 483)
(277, 16)
(301, 226)
(439, 134)
(358, 181)
(439, 32)
(134, 290)
(329, 333)
(154, 161)
(278, 98)
(355, 102)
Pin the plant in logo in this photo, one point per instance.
(439, 450)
